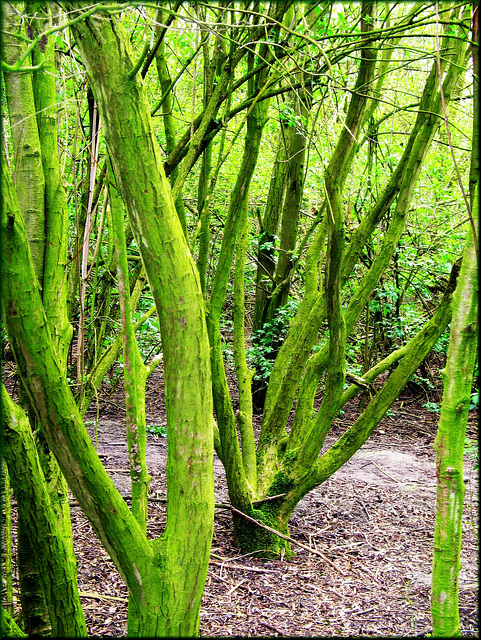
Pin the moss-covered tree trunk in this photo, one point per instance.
(165, 577)
(449, 444)
(169, 125)
(29, 177)
(51, 550)
(183, 552)
(32, 110)
(269, 226)
(289, 464)
(9, 627)
(54, 278)
(294, 189)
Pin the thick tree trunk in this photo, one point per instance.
(29, 178)
(166, 601)
(183, 551)
(32, 104)
(34, 616)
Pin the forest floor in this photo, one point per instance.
(373, 520)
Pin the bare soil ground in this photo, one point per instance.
(373, 520)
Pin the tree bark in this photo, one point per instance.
(29, 178)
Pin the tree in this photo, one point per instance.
(288, 463)
(165, 592)
(449, 444)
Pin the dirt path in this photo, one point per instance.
(373, 519)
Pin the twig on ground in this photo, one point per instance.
(235, 587)
(386, 474)
(241, 567)
(99, 596)
(272, 627)
(284, 537)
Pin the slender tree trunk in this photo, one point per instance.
(135, 372)
(169, 125)
(294, 189)
(54, 279)
(267, 237)
(449, 444)
(51, 552)
(243, 373)
(9, 627)
(7, 528)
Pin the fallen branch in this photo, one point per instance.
(284, 537)
(386, 474)
(98, 596)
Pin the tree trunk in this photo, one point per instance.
(449, 444)
(54, 268)
(135, 372)
(183, 551)
(9, 627)
(52, 555)
(150, 569)
(267, 237)
(29, 178)
(169, 127)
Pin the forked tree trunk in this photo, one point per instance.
(177, 580)
(293, 481)
(289, 464)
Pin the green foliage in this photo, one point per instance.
(432, 407)
(148, 334)
(422, 382)
(475, 395)
(157, 430)
(474, 401)
(266, 341)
